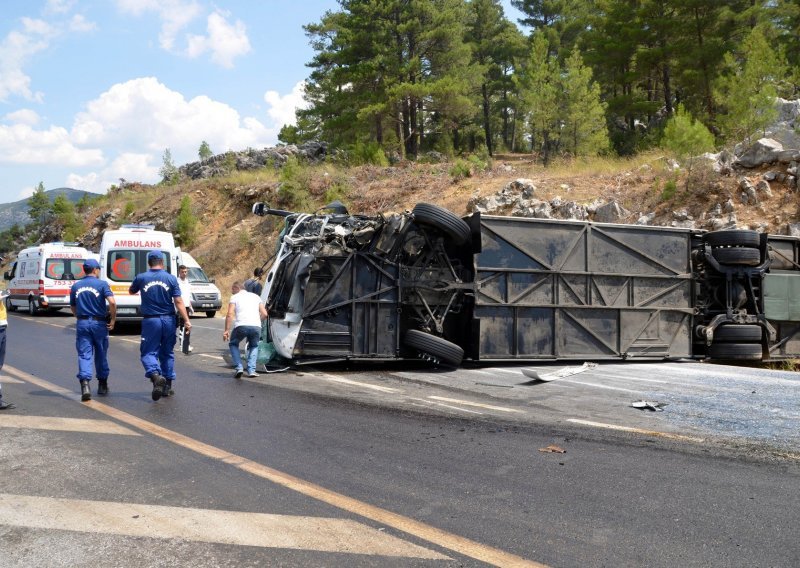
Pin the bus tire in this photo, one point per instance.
(445, 221)
(737, 256)
(437, 347)
(737, 351)
(734, 238)
(733, 333)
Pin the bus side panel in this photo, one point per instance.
(548, 289)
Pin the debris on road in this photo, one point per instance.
(538, 376)
(553, 449)
(648, 405)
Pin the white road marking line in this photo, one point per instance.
(636, 430)
(206, 525)
(129, 340)
(424, 531)
(596, 386)
(9, 380)
(451, 407)
(211, 356)
(352, 383)
(64, 424)
(476, 404)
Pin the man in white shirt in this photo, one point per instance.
(246, 311)
(186, 296)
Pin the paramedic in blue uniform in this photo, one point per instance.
(87, 299)
(161, 296)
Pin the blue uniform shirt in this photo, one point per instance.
(157, 289)
(88, 295)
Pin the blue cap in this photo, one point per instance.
(155, 254)
(90, 264)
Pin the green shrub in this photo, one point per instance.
(130, 209)
(363, 153)
(293, 190)
(670, 187)
(461, 169)
(186, 224)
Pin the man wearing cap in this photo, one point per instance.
(161, 296)
(87, 299)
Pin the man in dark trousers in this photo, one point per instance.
(161, 296)
(87, 299)
(3, 327)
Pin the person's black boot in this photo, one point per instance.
(86, 393)
(158, 385)
(102, 387)
(167, 390)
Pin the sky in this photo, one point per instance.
(92, 91)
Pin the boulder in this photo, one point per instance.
(764, 151)
(611, 212)
(763, 188)
(523, 186)
(646, 219)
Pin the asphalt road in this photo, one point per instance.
(391, 465)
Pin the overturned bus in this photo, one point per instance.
(428, 283)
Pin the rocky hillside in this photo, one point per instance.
(754, 187)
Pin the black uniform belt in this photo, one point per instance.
(97, 318)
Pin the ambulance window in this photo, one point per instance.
(64, 269)
(121, 265)
(22, 269)
(54, 269)
(76, 268)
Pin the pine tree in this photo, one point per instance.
(186, 223)
(204, 152)
(67, 220)
(584, 129)
(747, 89)
(686, 138)
(168, 171)
(39, 206)
(539, 91)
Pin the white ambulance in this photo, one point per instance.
(206, 297)
(123, 255)
(41, 277)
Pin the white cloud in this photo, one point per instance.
(58, 6)
(21, 144)
(223, 41)
(80, 24)
(128, 166)
(282, 108)
(143, 115)
(23, 116)
(20, 46)
(26, 192)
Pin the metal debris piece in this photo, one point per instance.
(553, 449)
(649, 405)
(538, 376)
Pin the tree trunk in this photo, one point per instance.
(487, 127)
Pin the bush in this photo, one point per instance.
(461, 169)
(293, 190)
(371, 153)
(670, 187)
(186, 224)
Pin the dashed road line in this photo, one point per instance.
(64, 424)
(443, 405)
(428, 533)
(211, 356)
(334, 379)
(476, 404)
(206, 525)
(9, 380)
(667, 435)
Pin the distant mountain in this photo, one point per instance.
(17, 212)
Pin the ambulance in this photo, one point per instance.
(41, 277)
(123, 255)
